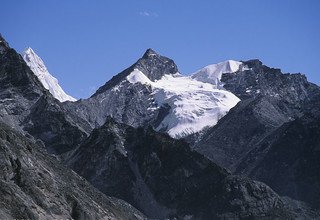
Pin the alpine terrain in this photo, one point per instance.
(233, 140)
(153, 92)
(274, 127)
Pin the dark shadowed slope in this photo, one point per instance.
(271, 135)
(288, 160)
(27, 106)
(35, 185)
(163, 178)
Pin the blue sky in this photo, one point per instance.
(84, 43)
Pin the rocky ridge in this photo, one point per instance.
(163, 178)
(273, 104)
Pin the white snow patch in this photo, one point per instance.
(194, 104)
(137, 76)
(212, 73)
(48, 81)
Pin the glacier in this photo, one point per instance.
(194, 104)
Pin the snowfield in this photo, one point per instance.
(212, 73)
(194, 104)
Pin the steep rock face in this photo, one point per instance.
(48, 81)
(34, 185)
(269, 99)
(126, 102)
(48, 121)
(288, 160)
(22, 96)
(252, 139)
(163, 178)
(241, 130)
(259, 79)
(19, 88)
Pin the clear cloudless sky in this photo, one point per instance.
(85, 42)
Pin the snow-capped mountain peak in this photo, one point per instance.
(153, 92)
(151, 64)
(149, 52)
(212, 73)
(194, 105)
(49, 82)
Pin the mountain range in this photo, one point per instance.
(234, 140)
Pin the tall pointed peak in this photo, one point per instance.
(149, 52)
(154, 66)
(151, 64)
(49, 82)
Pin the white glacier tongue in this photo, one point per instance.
(48, 81)
(212, 73)
(194, 104)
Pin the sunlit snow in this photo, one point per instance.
(194, 104)
(212, 73)
(48, 81)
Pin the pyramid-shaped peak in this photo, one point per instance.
(150, 52)
(49, 82)
(154, 66)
